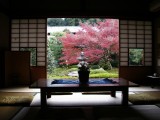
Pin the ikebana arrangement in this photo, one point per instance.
(83, 69)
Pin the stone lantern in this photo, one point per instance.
(83, 69)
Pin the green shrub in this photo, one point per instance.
(72, 69)
(95, 66)
(95, 71)
(107, 66)
(51, 76)
(103, 75)
(113, 70)
(62, 73)
(73, 66)
(115, 63)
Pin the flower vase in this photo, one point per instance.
(83, 76)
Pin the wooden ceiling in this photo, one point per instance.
(83, 8)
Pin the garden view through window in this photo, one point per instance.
(136, 57)
(100, 38)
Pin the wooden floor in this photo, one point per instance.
(93, 112)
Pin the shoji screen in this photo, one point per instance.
(30, 34)
(135, 34)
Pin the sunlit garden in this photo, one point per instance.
(97, 38)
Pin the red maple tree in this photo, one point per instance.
(97, 41)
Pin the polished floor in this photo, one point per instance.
(83, 107)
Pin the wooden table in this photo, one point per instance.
(46, 88)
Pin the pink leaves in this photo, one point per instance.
(97, 38)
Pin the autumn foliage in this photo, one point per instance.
(98, 42)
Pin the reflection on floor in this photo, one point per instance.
(84, 107)
(78, 99)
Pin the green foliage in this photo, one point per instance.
(72, 69)
(62, 73)
(73, 66)
(51, 76)
(135, 56)
(106, 65)
(71, 21)
(55, 22)
(95, 66)
(103, 75)
(54, 50)
(114, 63)
(66, 30)
(51, 63)
(58, 34)
(114, 70)
(95, 71)
(115, 60)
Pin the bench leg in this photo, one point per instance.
(43, 98)
(125, 96)
(113, 93)
(48, 94)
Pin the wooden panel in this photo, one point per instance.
(135, 34)
(17, 68)
(29, 33)
(136, 74)
(37, 72)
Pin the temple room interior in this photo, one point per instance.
(23, 27)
